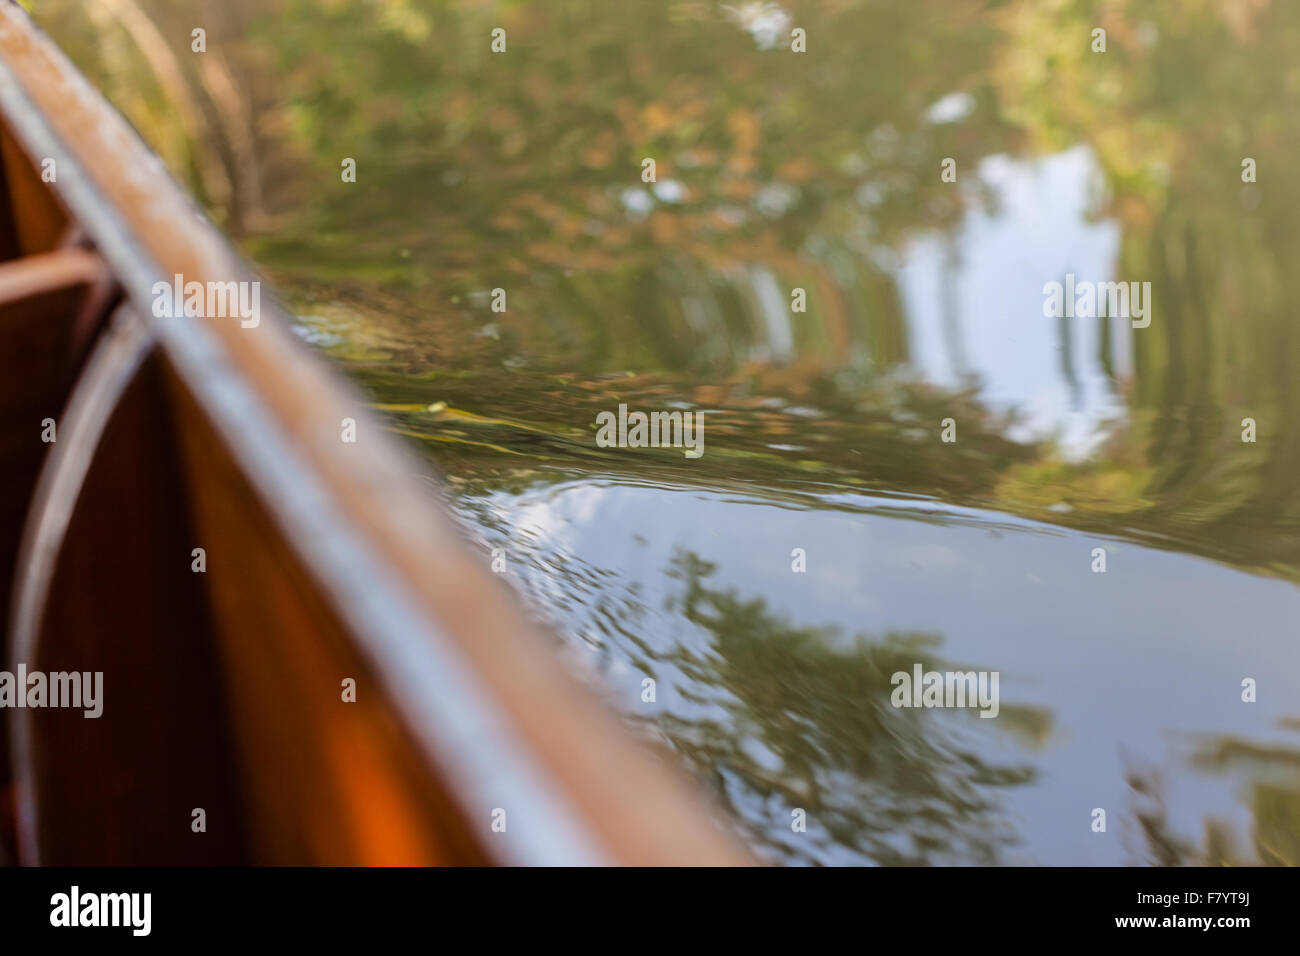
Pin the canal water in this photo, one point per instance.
(1097, 529)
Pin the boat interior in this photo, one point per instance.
(148, 538)
(131, 470)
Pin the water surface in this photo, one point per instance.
(821, 171)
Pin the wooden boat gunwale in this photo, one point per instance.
(336, 559)
(474, 681)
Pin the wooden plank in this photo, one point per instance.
(35, 215)
(327, 781)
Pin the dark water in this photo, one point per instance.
(821, 171)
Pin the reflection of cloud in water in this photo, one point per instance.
(1125, 664)
(766, 22)
(974, 301)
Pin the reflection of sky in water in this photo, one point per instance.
(1126, 663)
(974, 301)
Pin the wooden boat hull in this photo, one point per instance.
(323, 562)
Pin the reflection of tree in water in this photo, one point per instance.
(1269, 779)
(481, 171)
(893, 784)
(795, 718)
(775, 716)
